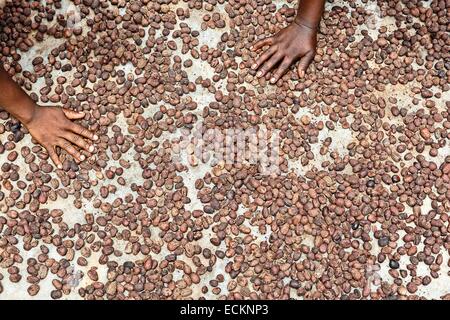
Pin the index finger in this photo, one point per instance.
(73, 115)
(82, 131)
(284, 66)
(262, 43)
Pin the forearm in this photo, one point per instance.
(14, 100)
(309, 13)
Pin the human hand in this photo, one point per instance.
(296, 41)
(52, 127)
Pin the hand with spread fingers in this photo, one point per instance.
(298, 41)
(286, 47)
(52, 127)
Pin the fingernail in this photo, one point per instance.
(302, 73)
(254, 66)
(82, 157)
(59, 166)
(91, 148)
(273, 80)
(259, 74)
(95, 137)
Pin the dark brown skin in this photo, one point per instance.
(50, 126)
(295, 42)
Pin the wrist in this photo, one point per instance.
(307, 23)
(27, 109)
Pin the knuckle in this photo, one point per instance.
(279, 55)
(75, 128)
(66, 123)
(264, 58)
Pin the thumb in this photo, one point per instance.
(73, 115)
(305, 61)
